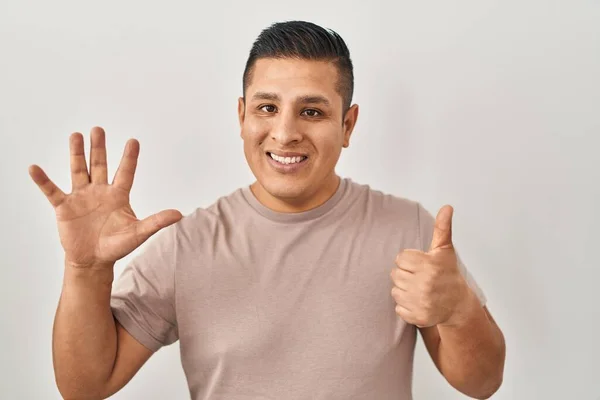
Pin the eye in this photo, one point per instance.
(268, 108)
(311, 112)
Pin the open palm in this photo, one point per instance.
(96, 223)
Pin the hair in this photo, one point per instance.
(305, 41)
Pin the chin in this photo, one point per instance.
(286, 188)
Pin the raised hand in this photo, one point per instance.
(96, 223)
(429, 288)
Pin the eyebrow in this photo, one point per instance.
(265, 96)
(313, 99)
(307, 99)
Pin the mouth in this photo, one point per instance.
(287, 158)
(287, 162)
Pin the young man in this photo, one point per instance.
(302, 285)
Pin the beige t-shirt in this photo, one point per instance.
(269, 305)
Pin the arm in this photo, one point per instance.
(471, 353)
(94, 356)
(434, 292)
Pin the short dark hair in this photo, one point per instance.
(307, 41)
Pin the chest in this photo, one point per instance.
(286, 298)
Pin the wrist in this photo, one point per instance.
(96, 274)
(464, 309)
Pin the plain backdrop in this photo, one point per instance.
(491, 106)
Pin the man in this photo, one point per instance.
(302, 285)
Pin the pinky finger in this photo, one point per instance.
(52, 192)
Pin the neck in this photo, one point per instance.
(296, 205)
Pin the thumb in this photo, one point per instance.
(442, 232)
(154, 223)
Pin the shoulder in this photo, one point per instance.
(391, 215)
(205, 221)
(386, 204)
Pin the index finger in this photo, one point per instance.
(126, 171)
(410, 260)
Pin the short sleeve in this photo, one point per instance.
(143, 297)
(426, 226)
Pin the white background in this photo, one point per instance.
(491, 106)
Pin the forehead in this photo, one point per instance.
(294, 77)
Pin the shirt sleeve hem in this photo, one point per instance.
(133, 328)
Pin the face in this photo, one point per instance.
(294, 129)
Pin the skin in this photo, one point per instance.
(291, 108)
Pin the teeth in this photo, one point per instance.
(287, 160)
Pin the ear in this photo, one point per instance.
(241, 111)
(349, 123)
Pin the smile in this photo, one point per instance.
(287, 160)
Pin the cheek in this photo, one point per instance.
(329, 145)
(254, 131)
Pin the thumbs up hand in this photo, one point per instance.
(429, 288)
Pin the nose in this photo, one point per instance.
(285, 131)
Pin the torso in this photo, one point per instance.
(298, 309)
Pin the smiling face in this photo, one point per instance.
(294, 129)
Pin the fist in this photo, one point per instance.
(429, 288)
